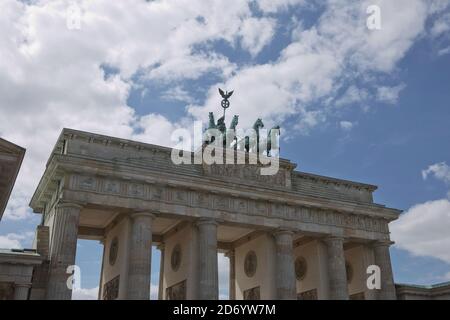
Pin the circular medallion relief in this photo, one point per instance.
(250, 264)
(113, 249)
(301, 267)
(349, 271)
(175, 259)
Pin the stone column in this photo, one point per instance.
(139, 256)
(63, 250)
(161, 273)
(284, 265)
(383, 260)
(207, 254)
(21, 291)
(232, 281)
(336, 268)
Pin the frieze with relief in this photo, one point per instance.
(179, 196)
(154, 192)
(111, 186)
(87, 183)
(246, 174)
(136, 190)
(221, 203)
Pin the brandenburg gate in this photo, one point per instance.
(292, 235)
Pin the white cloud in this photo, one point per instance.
(17, 208)
(85, 294)
(346, 125)
(444, 51)
(438, 5)
(389, 94)
(15, 240)
(156, 129)
(9, 242)
(312, 68)
(440, 171)
(193, 66)
(423, 230)
(441, 26)
(309, 120)
(177, 93)
(257, 33)
(272, 6)
(353, 94)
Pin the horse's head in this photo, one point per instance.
(275, 128)
(258, 124)
(234, 122)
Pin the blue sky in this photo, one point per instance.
(357, 104)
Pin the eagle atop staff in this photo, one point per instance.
(225, 95)
(225, 103)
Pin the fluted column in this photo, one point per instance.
(21, 291)
(383, 260)
(284, 265)
(63, 250)
(140, 256)
(232, 275)
(161, 272)
(207, 255)
(336, 268)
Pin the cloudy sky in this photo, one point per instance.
(353, 103)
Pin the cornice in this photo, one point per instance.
(75, 164)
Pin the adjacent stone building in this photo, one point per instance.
(16, 265)
(439, 291)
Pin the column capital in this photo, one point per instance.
(65, 204)
(333, 238)
(21, 291)
(382, 243)
(142, 214)
(230, 253)
(206, 221)
(283, 231)
(102, 240)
